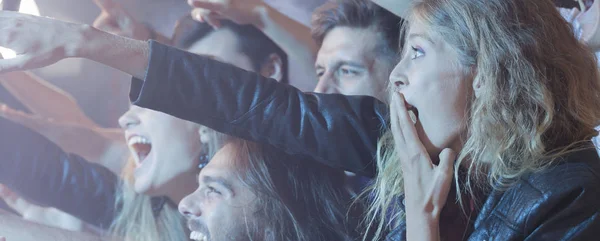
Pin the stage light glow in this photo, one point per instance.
(28, 7)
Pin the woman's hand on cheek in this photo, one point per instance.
(426, 186)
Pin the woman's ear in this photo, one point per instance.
(477, 83)
(273, 67)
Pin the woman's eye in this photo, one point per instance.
(211, 191)
(416, 53)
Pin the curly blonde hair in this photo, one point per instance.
(539, 95)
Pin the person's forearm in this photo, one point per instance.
(16, 229)
(421, 228)
(293, 37)
(128, 55)
(43, 98)
(253, 107)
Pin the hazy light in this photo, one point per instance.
(28, 7)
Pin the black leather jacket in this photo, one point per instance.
(342, 131)
(43, 173)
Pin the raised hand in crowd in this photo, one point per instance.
(238, 11)
(41, 41)
(585, 23)
(104, 146)
(44, 99)
(57, 116)
(115, 19)
(293, 37)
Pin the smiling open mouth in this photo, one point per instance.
(141, 146)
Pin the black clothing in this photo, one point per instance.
(560, 203)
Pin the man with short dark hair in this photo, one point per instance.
(357, 41)
(358, 44)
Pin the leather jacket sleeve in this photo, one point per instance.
(339, 131)
(41, 172)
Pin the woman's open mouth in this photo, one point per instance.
(141, 147)
(413, 113)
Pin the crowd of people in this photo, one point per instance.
(430, 120)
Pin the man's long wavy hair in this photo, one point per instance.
(297, 200)
(539, 96)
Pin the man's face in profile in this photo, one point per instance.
(222, 206)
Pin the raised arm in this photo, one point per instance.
(44, 99)
(339, 131)
(41, 41)
(293, 37)
(58, 117)
(115, 19)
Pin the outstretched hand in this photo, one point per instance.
(90, 143)
(426, 185)
(37, 41)
(239, 11)
(586, 23)
(40, 41)
(116, 20)
(570, 15)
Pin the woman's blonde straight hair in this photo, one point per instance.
(540, 96)
(135, 220)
